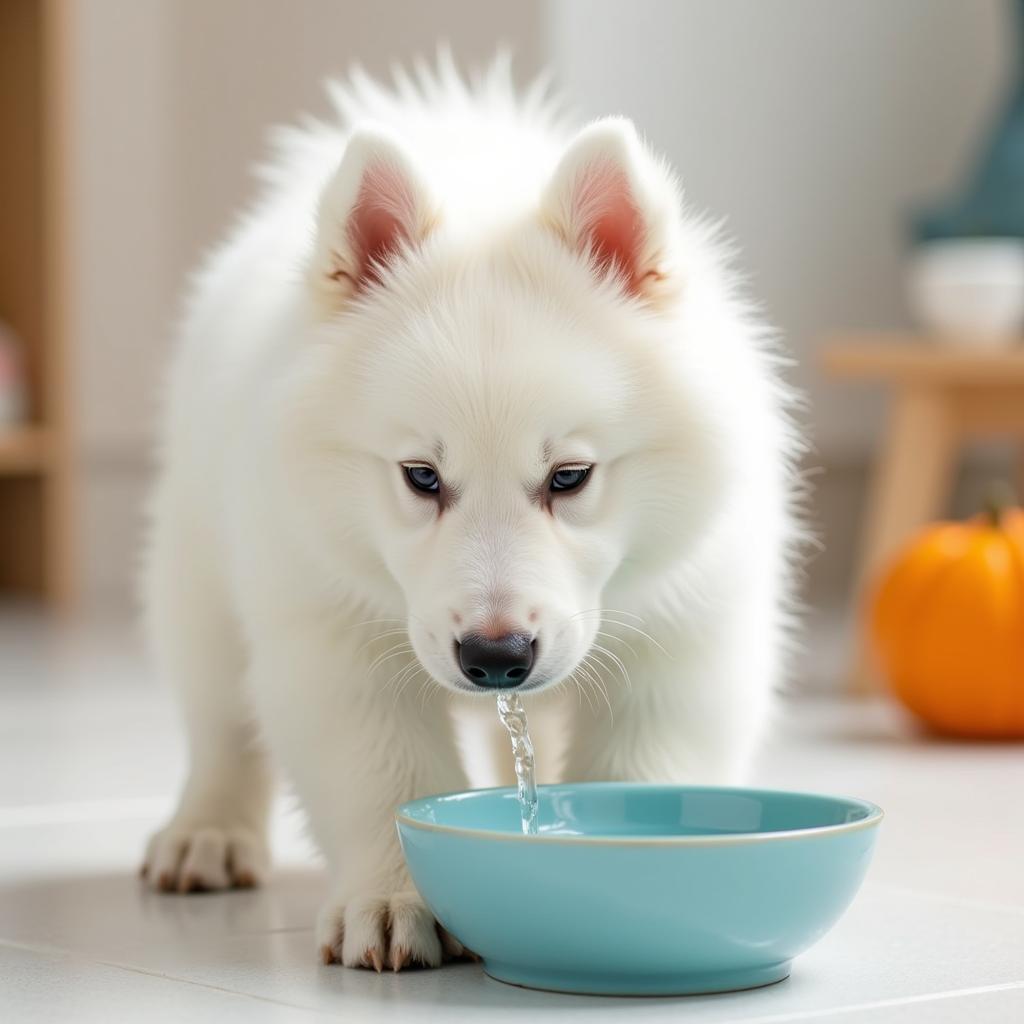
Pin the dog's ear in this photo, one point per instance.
(374, 206)
(612, 201)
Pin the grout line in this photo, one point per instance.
(42, 949)
(881, 1004)
(967, 902)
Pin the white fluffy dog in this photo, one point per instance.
(467, 401)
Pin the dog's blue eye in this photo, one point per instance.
(423, 478)
(569, 479)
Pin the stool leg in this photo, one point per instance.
(911, 484)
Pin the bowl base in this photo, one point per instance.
(610, 983)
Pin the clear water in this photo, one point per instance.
(513, 717)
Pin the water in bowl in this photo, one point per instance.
(513, 717)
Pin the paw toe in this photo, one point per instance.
(163, 859)
(205, 865)
(452, 949)
(364, 940)
(204, 859)
(414, 938)
(246, 859)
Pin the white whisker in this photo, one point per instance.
(599, 686)
(611, 636)
(613, 611)
(643, 633)
(369, 622)
(586, 694)
(392, 652)
(598, 650)
(409, 673)
(380, 636)
(636, 629)
(397, 674)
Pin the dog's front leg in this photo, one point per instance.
(691, 710)
(356, 744)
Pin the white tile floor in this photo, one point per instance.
(89, 759)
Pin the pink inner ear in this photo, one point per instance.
(611, 225)
(380, 221)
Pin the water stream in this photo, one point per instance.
(513, 717)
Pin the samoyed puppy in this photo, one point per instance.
(466, 402)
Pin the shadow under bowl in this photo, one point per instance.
(635, 889)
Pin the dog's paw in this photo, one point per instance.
(381, 931)
(205, 858)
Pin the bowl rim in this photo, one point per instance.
(872, 819)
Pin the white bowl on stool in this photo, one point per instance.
(969, 291)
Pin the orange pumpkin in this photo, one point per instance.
(948, 626)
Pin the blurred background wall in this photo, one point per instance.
(812, 127)
(175, 98)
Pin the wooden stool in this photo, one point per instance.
(943, 396)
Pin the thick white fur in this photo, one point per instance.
(304, 601)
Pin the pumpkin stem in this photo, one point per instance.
(1000, 497)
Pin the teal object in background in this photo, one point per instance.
(633, 889)
(992, 205)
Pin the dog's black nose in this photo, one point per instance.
(502, 663)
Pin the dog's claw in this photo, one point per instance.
(377, 960)
(326, 956)
(399, 958)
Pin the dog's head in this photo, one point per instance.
(502, 431)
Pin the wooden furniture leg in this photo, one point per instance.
(912, 482)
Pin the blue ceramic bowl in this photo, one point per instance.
(637, 889)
